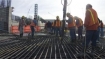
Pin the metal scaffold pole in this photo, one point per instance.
(64, 17)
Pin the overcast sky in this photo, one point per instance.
(49, 9)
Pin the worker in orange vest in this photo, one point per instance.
(32, 26)
(91, 24)
(79, 25)
(57, 25)
(21, 26)
(71, 27)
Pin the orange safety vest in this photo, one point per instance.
(72, 24)
(80, 23)
(32, 23)
(57, 23)
(93, 19)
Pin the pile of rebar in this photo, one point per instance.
(44, 47)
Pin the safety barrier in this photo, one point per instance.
(14, 29)
(27, 29)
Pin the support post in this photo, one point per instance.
(64, 17)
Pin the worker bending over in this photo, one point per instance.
(79, 25)
(98, 32)
(71, 26)
(91, 24)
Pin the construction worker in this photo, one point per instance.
(21, 26)
(79, 25)
(101, 29)
(49, 26)
(32, 26)
(91, 25)
(45, 27)
(71, 27)
(57, 24)
(98, 32)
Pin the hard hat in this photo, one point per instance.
(23, 17)
(88, 5)
(57, 16)
(68, 13)
(75, 17)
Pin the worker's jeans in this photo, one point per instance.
(73, 34)
(98, 32)
(80, 33)
(32, 31)
(102, 32)
(91, 35)
(57, 31)
(49, 29)
(21, 30)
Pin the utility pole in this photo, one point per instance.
(64, 17)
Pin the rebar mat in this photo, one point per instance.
(45, 47)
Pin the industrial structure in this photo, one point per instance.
(5, 15)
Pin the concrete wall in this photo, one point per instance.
(11, 22)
